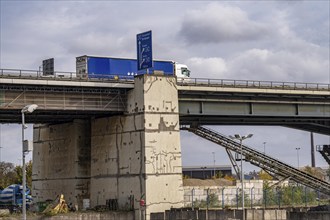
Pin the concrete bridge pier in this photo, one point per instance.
(138, 155)
(61, 161)
(127, 158)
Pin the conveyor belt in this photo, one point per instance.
(263, 161)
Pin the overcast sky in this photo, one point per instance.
(252, 40)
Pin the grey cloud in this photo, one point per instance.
(217, 23)
(265, 65)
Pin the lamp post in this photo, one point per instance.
(27, 109)
(213, 164)
(0, 143)
(264, 147)
(241, 138)
(203, 168)
(298, 148)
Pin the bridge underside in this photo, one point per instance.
(53, 116)
(59, 104)
(307, 124)
(306, 111)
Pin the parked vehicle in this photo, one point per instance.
(12, 197)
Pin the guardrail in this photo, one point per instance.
(253, 84)
(58, 75)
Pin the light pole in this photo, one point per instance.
(241, 138)
(264, 147)
(203, 168)
(213, 164)
(0, 143)
(298, 148)
(27, 109)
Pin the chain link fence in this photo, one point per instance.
(254, 197)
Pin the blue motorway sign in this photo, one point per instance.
(144, 50)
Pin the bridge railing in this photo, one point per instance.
(56, 75)
(253, 84)
(35, 74)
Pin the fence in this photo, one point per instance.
(255, 196)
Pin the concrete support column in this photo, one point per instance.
(138, 155)
(61, 162)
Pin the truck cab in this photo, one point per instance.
(182, 72)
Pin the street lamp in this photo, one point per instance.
(27, 109)
(203, 168)
(0, 143)
(264, 147)
(298, 148)
(241, 138)
(213, 164)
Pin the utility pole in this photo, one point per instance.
(264, 147)
(213, 164)
(0, 144)
(298, 148)
(241, 138)
(312, 150)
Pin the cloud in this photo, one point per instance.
(283, 65)
(217, 23)
(299, 65)
(213, 67)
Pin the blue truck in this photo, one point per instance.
(121, 68)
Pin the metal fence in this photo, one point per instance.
(254, 84)
(58, 75)
(288, 196)
(71, 76)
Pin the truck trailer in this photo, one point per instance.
(121, 68)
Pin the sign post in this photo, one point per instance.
(144, 50)
(48, 67)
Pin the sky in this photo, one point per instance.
(285, 41)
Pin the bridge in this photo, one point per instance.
(92, 134)
(62, 98)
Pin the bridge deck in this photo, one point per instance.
(63, 97)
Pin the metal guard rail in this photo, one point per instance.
(262, 160)
(71, 76)
(254, 84)
(57, 75)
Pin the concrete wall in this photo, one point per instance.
(253, 214)
(309, 215)
(123, 158)
(139, 153)
(61, 161)
(79, 216)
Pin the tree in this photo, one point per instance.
(231, 178)
(314, 172)
(7, 174)
(263, 175)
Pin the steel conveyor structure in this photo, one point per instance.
(269, 164)
(324, 151)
